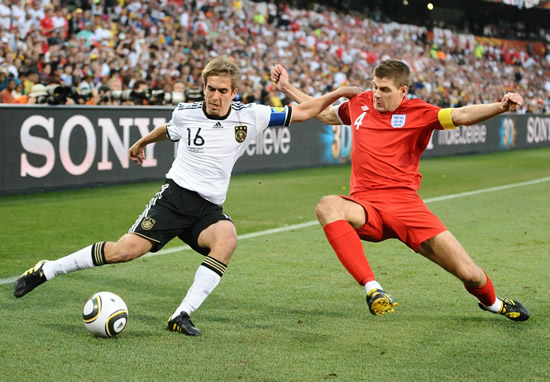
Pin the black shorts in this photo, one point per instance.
(176, 211)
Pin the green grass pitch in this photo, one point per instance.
(286, 310)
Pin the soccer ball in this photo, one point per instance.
(105, 314)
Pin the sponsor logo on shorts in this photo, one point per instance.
(148, 223)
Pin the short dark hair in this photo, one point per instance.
(103, 89)
(139, 82)
(395, 70)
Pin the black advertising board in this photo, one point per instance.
(52, 147)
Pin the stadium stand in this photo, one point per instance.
(134, 52)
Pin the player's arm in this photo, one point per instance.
(279, 76)
(158, 134)
(311, 108)
(472, 114)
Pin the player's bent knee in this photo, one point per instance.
(228, 243)
(221, 238)
(327, 209)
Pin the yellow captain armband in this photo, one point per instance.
(444, 116)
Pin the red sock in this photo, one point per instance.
(485, 294)
(349, 249)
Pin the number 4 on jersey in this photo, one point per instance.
(359, 120)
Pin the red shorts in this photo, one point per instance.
(397, 214)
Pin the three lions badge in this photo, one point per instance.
(240, 133)
(398, 120)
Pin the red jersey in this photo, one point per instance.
(386, 147)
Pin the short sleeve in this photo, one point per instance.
(171, 127)
(343, 113)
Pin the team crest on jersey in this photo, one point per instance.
(398, 120)
(240, 133)
(148, 223)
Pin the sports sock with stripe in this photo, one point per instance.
(207, 278)
(348, 247)
(88, 257)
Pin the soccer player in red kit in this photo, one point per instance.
(389, 134)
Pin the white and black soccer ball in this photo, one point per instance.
(105, 314)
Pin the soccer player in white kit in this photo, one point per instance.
(212, 135)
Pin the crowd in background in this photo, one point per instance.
(107, 52)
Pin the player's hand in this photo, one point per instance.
(511, 101)
(349, 91)
(137, 153)
(279, 76)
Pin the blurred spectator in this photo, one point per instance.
(3, 78)
(103, 96)
(59, 94)
(38, 95)
(85, 45)
(170, 95)
(46, 23)
(194, 93)
(140, 93)
(6, 95)
(5, 16)
(18, 91)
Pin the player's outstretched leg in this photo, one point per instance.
(514, 310)
(182, 323)
(380, 302)
(29, 280)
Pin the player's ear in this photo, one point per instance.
(234, 93)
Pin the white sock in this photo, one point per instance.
(496, 307)
(205, 282)
(372, 285)
(81, 259)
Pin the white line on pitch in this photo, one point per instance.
(167, 251)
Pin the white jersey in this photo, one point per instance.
(208, 148)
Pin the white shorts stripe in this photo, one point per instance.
(149, 205)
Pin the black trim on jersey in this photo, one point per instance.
(213, 117)
(236, 105)
(194, 105)
(168, 133)
(288, 118)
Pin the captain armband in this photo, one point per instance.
(444, 116)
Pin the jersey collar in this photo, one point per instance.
(212, 116)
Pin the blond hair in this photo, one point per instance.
(223, 66)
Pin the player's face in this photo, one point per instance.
(218, 95)
(387, 97)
